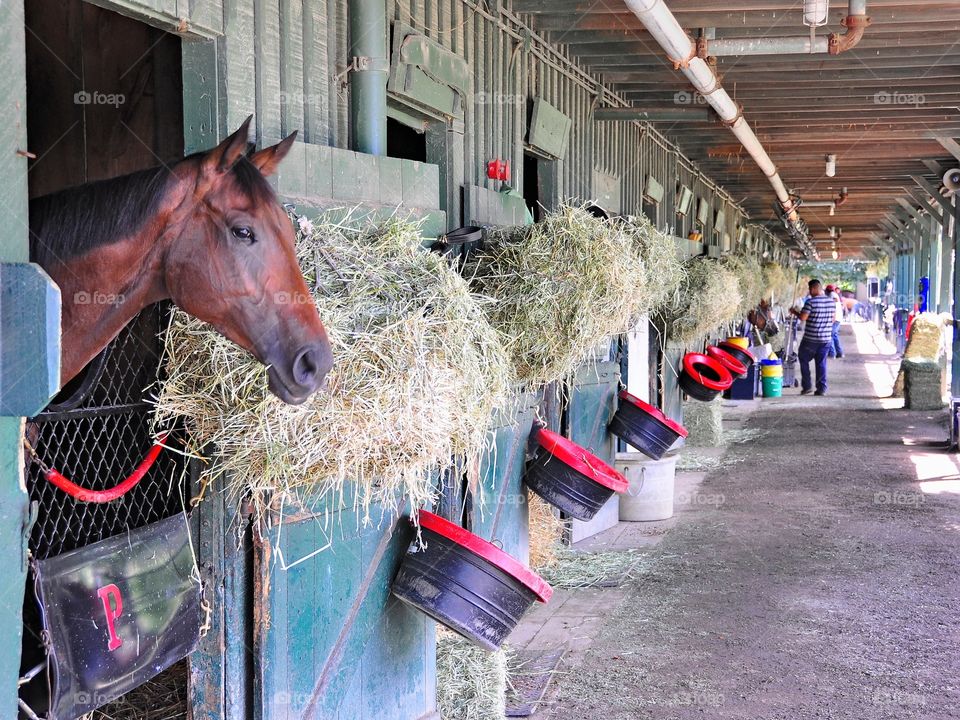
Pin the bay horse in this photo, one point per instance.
(208, 233)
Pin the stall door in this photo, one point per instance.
(593, 401)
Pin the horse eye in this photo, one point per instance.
(244, 233)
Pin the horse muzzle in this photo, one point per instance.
(296, 380)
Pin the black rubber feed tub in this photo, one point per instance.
(466, 583)
(704, 378)
(644, 426)
(737, 368)
(570, 478)
(744, 356)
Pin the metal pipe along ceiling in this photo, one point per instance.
(681, 50)
(834, 44)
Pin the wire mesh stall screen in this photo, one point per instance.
(99, 441)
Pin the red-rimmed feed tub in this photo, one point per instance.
(466, 583)
(736, 367)
(744, 356)
(644, 426)
(703, 377)
(570, 478)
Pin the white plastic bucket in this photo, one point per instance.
(650, 496)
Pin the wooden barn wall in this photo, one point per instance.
(292, 76)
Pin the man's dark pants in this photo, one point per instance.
(816, 351)
(835, 349)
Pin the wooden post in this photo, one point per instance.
(29, 346)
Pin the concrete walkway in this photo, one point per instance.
(817, 578)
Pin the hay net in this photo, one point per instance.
(561, 287)
(418, 371)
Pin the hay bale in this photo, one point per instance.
(709, 296)
(471, 682)
(926, 337)
(704, 422)
(925, 343)
(559, 288)
(546, 532)
(922, 384)
(418, 372)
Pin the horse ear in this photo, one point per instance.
(223, 156)
(268, 159)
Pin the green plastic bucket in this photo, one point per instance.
(772, 386)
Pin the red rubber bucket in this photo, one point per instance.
(703, 377)
(570, 478)
(736, 367)
(466, 583)
(744, 356)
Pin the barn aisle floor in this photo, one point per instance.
(816, 577)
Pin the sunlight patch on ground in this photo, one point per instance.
(931, 466)
(880, 372)
(939, 487)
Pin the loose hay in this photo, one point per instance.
(559, 288)
(163, 697)
(709, 296)
(418, 371)
(471, 682)
(573, 569)
(692, 460)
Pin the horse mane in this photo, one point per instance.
(73, 221)
(76, 220)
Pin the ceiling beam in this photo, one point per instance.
(950, 145)
(918, 196)
(675, 114)
(933, 191)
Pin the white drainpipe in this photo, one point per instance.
(681, 50)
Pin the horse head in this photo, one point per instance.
(231, 261)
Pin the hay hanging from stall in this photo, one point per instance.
(709, 296)
(663, 268)
(749, 280)
(471, 682)
(777, 286)
(546, 532)
(417, 373)
(559, 288)
(704, 422)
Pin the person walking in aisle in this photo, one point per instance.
(835, 349)
(817, 317)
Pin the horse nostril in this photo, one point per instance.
(310, 367)
(306, 367)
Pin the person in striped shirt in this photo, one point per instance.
(817, 317)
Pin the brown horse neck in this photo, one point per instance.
(103, 290)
